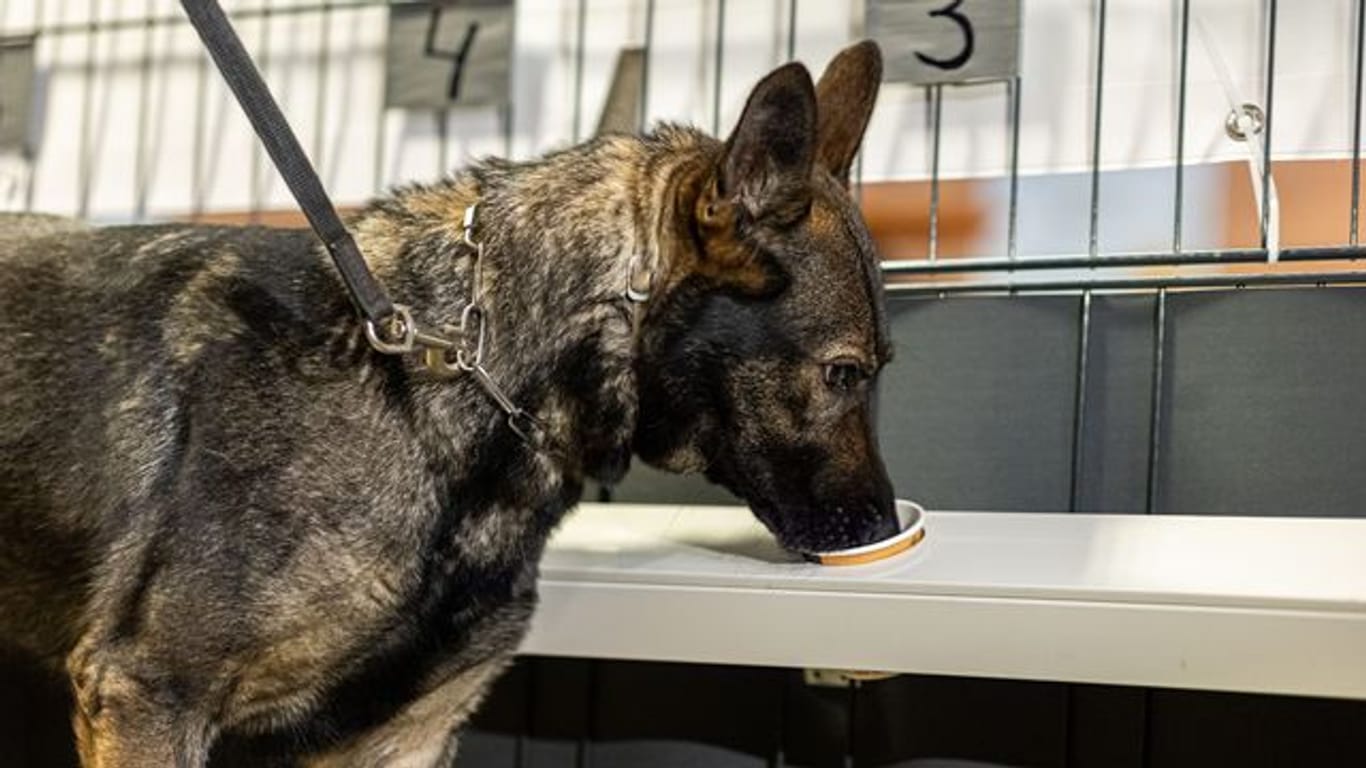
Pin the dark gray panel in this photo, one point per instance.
(480, 749)
(815, 723)
(16, 91)
(646, 485)
(1194, 729)
(1118, 405)
(1263, 408)
(416, 78)
(536, 714)
(1265, 404)
(670, 754)
(684, 715)
(560, 720)
(1106, 726)
(976, 410)
(905, 719)
(495, 736)
(554, 753)
(915, 32)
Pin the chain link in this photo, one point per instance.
(525, 425)
(399, 334)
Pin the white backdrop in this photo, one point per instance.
(129, 137)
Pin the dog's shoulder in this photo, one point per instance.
(100, 319)
(174, 279)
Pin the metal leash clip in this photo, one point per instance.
(399, 335)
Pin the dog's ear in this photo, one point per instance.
(766, 170)
(845, 97)
(763, 177)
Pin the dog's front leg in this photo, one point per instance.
(124, 719)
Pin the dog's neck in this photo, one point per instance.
(562, 237)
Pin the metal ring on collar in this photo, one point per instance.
(462, 359)
(471, 212)
(400, 326)
(633, 293)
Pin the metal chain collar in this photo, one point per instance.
(401, 335)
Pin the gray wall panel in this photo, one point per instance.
(1195, 729)
(1263, 405)
(976, 410)
(646, 485)
(487, 750)
(670, 754)
(906, 719)
(1266, 404)
(1118, 405)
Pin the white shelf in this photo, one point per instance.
(1273, 605)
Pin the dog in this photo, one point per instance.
(244, 534)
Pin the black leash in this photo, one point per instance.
(245, 81)
(389, 327)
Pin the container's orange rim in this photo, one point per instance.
(875, 555)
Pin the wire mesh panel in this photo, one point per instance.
(1056, 113)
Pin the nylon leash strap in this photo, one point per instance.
(389, 327)
(284, 149)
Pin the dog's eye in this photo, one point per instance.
(844, 375)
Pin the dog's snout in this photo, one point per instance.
(883, 503)
(876, 522)
(886, 526)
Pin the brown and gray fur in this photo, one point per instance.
(243, 533)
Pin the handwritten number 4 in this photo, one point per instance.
(951, 13)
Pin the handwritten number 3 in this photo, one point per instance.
(950, 12)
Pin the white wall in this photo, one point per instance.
(117, 132)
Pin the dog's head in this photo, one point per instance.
(765, 336)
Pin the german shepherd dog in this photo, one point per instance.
(242, 532)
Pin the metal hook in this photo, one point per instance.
(397, 337)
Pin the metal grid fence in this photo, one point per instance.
(1092, 270)
(1107, 271)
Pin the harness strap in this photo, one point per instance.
(270, 125)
